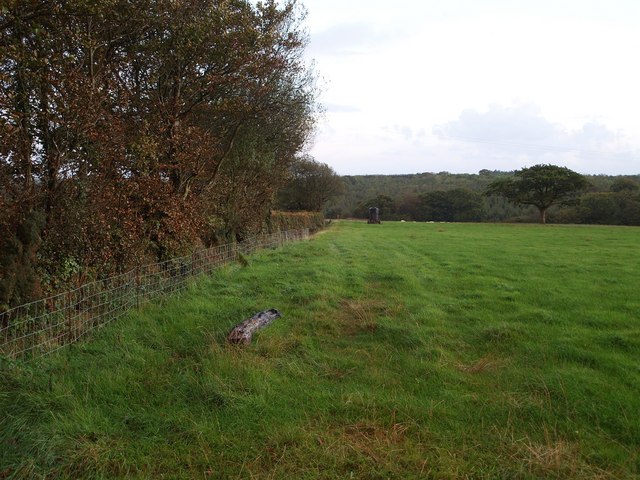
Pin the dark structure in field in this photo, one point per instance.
(374, 215)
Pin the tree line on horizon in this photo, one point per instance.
(136, 131)
(443, 196)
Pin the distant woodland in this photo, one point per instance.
(613, 200)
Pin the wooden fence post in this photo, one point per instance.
(137, 287)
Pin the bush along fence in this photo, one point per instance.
(46, 325)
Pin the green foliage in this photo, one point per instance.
(404, 351)
(385, 204)
(457, 205)
(282, 221)
(619, 207)
(597, 207)
(310, 185)
(405, 190)
(628, 209)
(624, 184)
(18, 263)
(541, 186)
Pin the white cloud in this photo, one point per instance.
(505, 135)
(499, 138)
(336, 108)
(542, 81)
(521, 123)
(350, 39)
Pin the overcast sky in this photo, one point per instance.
(464, 85)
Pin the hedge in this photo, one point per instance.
(281, 221)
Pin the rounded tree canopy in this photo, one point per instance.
(541, 186)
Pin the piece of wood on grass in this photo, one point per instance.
(243, 332)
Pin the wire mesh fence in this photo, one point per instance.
(46, 325)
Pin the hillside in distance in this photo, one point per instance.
(404, 190)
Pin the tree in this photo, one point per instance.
(311, 185)
(408, 206)
(456, 205)
(610, 208)
(541, 186)
(385, 203)
(137, 130)
(598, 207)
(623, 184)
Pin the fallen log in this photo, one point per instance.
(242, 332)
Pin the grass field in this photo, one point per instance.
(405, 351)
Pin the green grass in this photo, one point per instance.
(405, 351)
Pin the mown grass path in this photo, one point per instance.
(405, 351)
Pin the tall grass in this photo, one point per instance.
(405, 351)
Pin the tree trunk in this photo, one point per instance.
(543, 215)
(25, 140)
(242, 332)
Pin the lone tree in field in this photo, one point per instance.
(541, 186)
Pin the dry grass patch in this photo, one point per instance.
(370, 432)
(359, 316)
(558, 458)
(551, 457)
(380, 443)
(362, 315)
(337, 374)
(484, 364)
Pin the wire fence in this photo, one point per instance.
(44, 326)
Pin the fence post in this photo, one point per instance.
(66, 314)
(137, 287)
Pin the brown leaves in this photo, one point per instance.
(137, 126)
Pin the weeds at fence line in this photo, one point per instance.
(46, 325)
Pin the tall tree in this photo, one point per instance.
(385, 204)
(623, 184)
(541, 186)
(132, 129)
(310, 185)
(456, 205)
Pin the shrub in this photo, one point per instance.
(281, 221)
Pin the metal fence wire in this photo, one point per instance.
(46, 325)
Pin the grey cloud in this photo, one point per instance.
(502, 138)
(405, 131)
(593, 133)
(349, 39)
(523, 130)
(503, 134)
(522, 123)
(336, 108)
